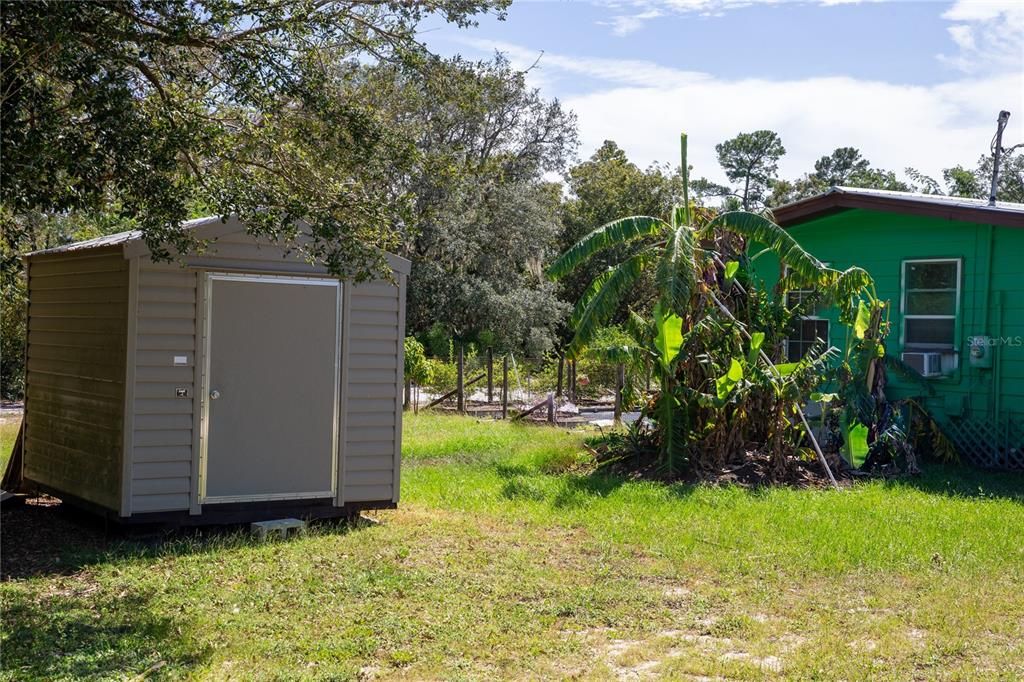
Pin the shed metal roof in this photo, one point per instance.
(211, 227)
(836, 199)
(118, 238)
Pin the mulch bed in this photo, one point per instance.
(753, 472)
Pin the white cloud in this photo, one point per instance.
(643, 107)
(551, 68)
(626, 23)
(989, 35)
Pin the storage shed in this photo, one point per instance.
(238, 383)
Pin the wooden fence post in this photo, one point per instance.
(561, 367)
(490, 375)
(620, 382)
(460, 383)
(551, 408)
(571, 387)
(504, 387)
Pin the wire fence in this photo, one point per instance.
(550, 388)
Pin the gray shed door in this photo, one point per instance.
(273, 388)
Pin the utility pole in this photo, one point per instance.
(997, 151)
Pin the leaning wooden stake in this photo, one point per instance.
(547, 402)
(437, 401)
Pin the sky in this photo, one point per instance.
(911, 83)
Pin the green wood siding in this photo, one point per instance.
(991, 301)
(77, 333)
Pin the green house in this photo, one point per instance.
(953, 272)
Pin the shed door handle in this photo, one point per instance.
(214, 394)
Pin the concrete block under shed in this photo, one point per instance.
(281, 528)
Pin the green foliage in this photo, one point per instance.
(617, 232)
(602, 299)
(155, 108)
(484, 219)
(752, 161)
(602, 189)
(845, 166)
(718, 392)
(669, 338)
(441, 376)
(976, 184)
(759, 229)
(676, 277)
(417, 369)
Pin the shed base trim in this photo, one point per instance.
(222, 514)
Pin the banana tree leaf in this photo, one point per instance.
(863, 321)
(727, 382)
(756, 341)
(616, 232)
(669, 338)
(677, 275)
(760, 229)
(602, 299)
(731, 268)
(787, 368)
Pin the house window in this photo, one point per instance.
(806, 331)
(807, 328)
(931, 295)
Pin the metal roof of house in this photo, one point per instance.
(951, 208)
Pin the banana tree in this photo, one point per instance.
(690, 272)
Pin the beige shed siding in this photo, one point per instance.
(372, 375)
(162, 429)
(75, 392)
(163, 437)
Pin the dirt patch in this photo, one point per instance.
(39, 536)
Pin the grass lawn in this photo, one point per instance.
(8, 433)
(501, 563)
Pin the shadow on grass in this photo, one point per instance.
(570, 489)
(964, 481)
(82, 636)
(45, 537)
(576, 489)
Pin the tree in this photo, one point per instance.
(841, 167)
(845, 166)
(151, 109)
(750, 159)
(482, 220)
(976, 184)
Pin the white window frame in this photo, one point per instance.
(816, 318)
(954, 345)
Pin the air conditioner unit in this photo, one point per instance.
(926, 364)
